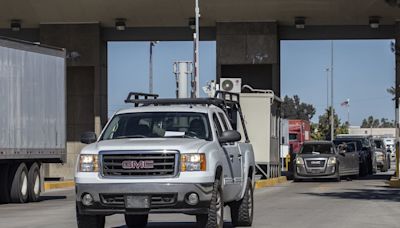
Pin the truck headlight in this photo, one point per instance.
(299, 161)
(88, 163)
(193, 162)
(332, 161)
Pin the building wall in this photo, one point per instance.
(373, 131)
(86, 85)
(249, 50)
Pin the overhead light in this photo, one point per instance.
(374, 22)
(192, 23)
(300, 22)
(120, 24)
(15, 25)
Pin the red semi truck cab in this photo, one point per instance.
(299, 131)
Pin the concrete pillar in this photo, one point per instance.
(86, 84)
(397, 87)
(249, 50)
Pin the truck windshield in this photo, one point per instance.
(317, 149)
(159, 125)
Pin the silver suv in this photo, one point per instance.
(167, 156)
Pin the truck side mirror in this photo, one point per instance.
(88, 137)
(230, 136)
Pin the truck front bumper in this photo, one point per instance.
(111, 199)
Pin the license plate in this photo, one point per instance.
(315, 171)
(137, 202)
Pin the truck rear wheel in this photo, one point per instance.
(4, 186)
(19, 184)
(34, 185)
(215, 216)
(89, 221)
(242, 211)
(136, 221)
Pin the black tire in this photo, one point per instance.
(89, 221)
(34, 183)
(242, 211)
(296, 180)
(337, 179)
(4, 184)
(136, 221)
(215, 216)
(19, 184)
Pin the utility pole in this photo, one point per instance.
(152, 44)
(196, 38)
(332, 114)
(327, 88)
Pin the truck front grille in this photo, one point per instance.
(140, 164)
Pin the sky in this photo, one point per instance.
(362, 72)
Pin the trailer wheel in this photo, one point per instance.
(19, 185)
(4, 184)
(34, 184)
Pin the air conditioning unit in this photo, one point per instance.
(233, 85)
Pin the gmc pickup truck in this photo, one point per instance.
(168, 156)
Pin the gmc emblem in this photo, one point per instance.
(148, 164)
(315, 162)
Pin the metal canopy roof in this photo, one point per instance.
(175, 13)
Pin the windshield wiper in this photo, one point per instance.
(130, 136)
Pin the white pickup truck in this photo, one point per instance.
(168, 156)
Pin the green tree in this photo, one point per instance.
(324, 124)
(293, 108)
(376, 123)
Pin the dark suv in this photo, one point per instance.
(323, 159)
(367, 152)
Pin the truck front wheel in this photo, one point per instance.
(136, 221)
(89, 221)
(215, 216)
(242, 211)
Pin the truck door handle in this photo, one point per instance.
(239, 155)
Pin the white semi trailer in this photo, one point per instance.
(32, 116)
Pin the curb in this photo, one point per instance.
(270, 182)
(50, 185)
(394, 183)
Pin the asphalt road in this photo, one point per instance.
(363, 203)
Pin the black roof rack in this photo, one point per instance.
(137, 96)
(228, 102)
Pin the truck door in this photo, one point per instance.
(231, 151)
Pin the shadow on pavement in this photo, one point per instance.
(363, 194)
(174, 225)
(47, 198)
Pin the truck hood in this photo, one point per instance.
(316, 155)
(182, 145)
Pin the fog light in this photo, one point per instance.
(193, 199)
(87, 199)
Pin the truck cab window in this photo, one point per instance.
(223, 120)
(217, 125)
